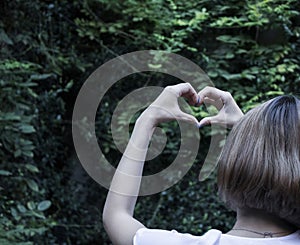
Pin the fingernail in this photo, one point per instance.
(199, 125)
(198, 101)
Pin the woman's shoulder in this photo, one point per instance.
(146, 236)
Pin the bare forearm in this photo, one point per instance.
(118, 211)
(122, 196)
(125, 185)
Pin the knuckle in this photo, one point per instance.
(227, 95)
(169, 88)
(208, 89)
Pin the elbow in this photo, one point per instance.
(110, 217)
(106, 218)
(107, 221)
(119, 226)
(111, 226)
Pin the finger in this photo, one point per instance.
(209, 120)
(187, 91)
(182, 116)
(204, 122)
(216, 103)
(213, 94)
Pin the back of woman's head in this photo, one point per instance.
(260, 163)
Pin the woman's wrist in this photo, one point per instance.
(142, 132)
(147, 119)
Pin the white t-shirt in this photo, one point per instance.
(146, 236)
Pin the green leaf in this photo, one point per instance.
(154, 66)
(10, 117)
(228, 39)
(27, 129)
(69, 85)
(17, 153)
(32, 93)
(21, 208)
(231, 76)
(212, 73)
(5, 173)
(31, 205)
(32, 185)
(27, 153)
(41, 76)
(32, 168)
(27, 84)
(44, 205)
(38, 215)
(274, 93)
(248, 76)
(27, 147)
(35, 214)
(4, 38)
(229, 56)
(14, 213)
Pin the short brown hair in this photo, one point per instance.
(260, 163)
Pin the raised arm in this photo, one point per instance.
(121, 199)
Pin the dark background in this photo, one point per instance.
(49, 48)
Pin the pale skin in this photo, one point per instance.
(118, 211)
(256, 220)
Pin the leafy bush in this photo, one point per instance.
(249, 48)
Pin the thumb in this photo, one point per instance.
(219, 119)
(208, 121)
(182, 116)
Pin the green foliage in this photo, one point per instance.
(249, 48)
(18, 170)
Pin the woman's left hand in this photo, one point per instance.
(166, 108)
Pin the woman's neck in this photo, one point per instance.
(257, 224)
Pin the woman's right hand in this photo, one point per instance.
(229, 112)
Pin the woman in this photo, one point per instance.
(258, 176)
